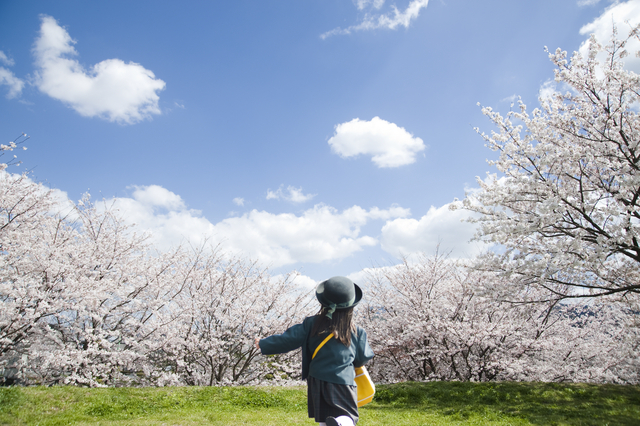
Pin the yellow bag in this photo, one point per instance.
(366, 387)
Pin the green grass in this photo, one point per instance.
(436, 403)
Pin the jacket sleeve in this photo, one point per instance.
(363, 351)
(291, 339)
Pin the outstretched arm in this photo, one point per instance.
(291, 339)
(363, 350)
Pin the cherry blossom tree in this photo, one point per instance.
(24, 210)
(78, 290)
(436, 320)
(566, 211)
(224, 303)
(109, 325)
(6, 149)
(86, 300)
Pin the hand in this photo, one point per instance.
(257, 342)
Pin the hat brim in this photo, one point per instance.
(326, 303)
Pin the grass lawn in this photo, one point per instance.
(435, 403)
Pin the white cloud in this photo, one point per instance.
(319, 234)
(164, 215)
(587, 2)
(111, 89)
(388, 144)
(389, 21)
(360, 277)
(157, 196)
(292, 194)
(61, 204)
(511, 99)
(363, 276)
(238, 201)
(551, 88)
(302, 281)
(441, 228)
(547, 90)
(623, 16)
(5, 60)
(362, 4)
(8, 79)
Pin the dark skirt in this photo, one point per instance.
(326, 399)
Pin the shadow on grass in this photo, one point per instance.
(538, 403)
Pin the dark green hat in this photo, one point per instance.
(338, 293)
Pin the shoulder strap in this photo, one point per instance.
(321, 345)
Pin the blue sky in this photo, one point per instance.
(323, 136)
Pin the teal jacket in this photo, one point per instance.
(333, 363)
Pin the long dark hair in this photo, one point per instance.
(341, 324)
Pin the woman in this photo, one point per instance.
(331, 390)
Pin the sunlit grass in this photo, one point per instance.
(436, 403)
